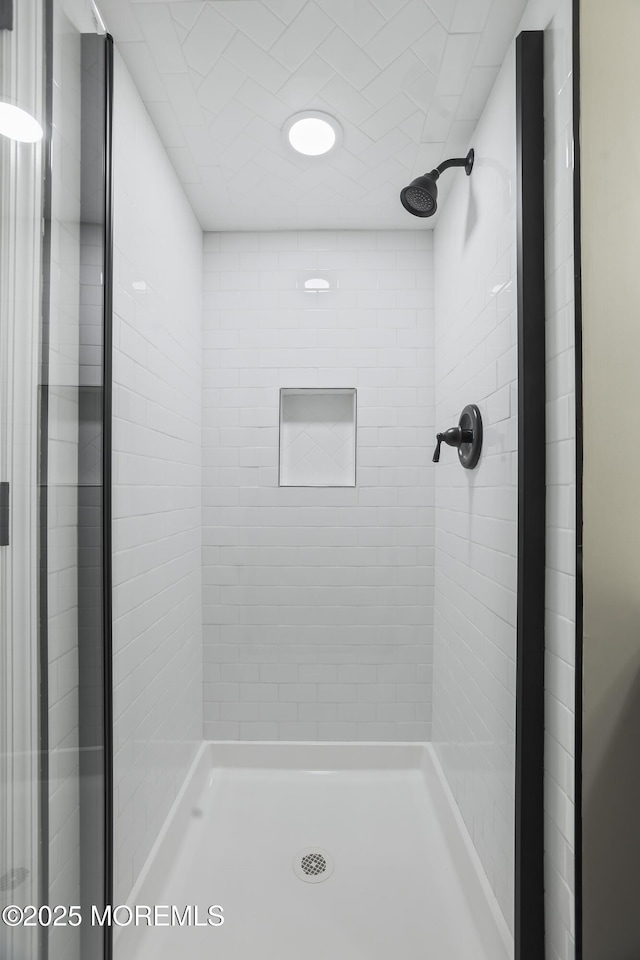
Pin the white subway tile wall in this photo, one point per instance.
(318, 602)
(157, 632)
(476, 511)
(561, 491)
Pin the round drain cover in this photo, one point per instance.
(313, 865)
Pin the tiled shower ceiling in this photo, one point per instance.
(407, 79)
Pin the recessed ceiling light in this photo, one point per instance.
(317, 285)
(312, 281)
(17, 124)
(312, 133)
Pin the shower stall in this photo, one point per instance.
(273, 671)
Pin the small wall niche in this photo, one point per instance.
(317, 437)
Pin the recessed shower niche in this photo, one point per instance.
(317, 437)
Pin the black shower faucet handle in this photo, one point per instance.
(454, 436)
(467, 437)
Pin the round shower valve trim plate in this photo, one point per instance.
(467, 437)
(470, 419)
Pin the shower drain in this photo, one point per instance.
(313, 865)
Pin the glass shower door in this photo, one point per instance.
(21, 861)
(54, 518)
(75, 479)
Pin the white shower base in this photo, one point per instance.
(406, 883)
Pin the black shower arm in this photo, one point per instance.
(466, 162)
(456, 162)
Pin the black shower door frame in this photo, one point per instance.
(529, 920)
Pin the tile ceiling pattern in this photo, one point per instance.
(407, 79)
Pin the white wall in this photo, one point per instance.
(476, 513)
(610, 207)
(318, 602)
(156, 474)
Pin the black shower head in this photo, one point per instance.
(421, 196)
